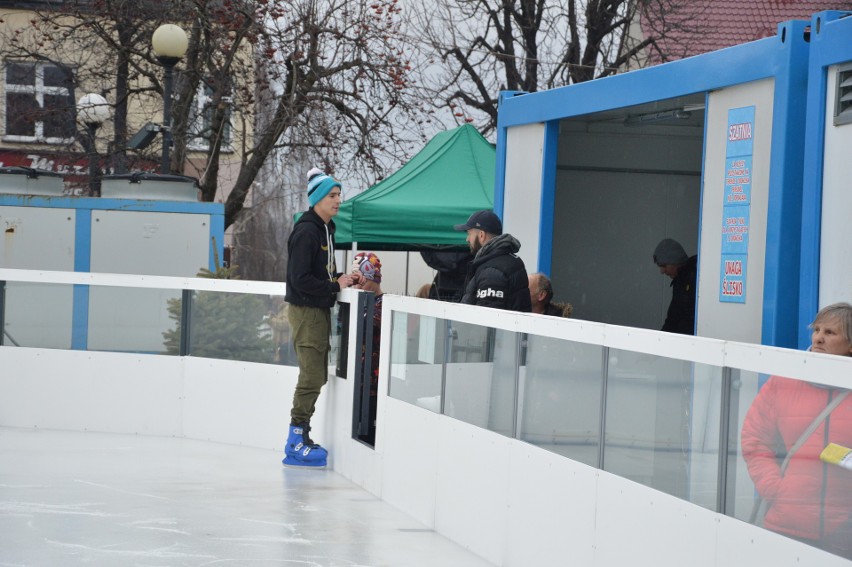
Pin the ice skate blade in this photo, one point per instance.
(291, 463)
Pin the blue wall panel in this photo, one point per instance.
(830, 44)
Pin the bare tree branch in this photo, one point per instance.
(494, 45)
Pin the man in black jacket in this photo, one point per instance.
(450, 270)
(496, 277)
(671, 259)
(312, 286)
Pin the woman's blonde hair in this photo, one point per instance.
(840, 311)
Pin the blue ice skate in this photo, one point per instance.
(300, 451)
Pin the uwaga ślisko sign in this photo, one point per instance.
(736, 208)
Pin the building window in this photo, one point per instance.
(201, 132)
(39, 103)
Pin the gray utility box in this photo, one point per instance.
(149, 186)
(28, 181)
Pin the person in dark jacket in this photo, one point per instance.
(450, 271)
(541, 297)
(671, 259)
(496, 277)
(312, 286)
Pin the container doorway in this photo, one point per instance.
(626, 179)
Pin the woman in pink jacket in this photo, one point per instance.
(811, 501)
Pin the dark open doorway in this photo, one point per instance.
(626, 179)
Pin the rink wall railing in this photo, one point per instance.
(579, 438)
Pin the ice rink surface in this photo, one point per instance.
(69, 498)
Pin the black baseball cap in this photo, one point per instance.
(483, 220)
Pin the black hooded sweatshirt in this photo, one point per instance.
(680, 317)
(311, 271)
(497, 277)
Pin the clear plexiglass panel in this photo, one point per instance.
(139, 320)
(417, 357)
(662, 424)
(234, 326)
(561, 397)
(38, 315)
(481, 379)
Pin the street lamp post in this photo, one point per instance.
(93, 111)
(169, 43)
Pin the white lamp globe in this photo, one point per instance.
(93, 109)
(169, 41)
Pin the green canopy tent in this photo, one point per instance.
(417, 206)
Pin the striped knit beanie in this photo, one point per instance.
(319, 185)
